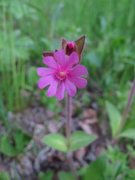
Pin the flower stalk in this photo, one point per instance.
(68, 133)
(68, 117)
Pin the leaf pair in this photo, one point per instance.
(78, 140)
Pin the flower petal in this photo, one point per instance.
(50, 62)
(52, 88)
(44, 71)
(44, 81)
(60, 57)
(79, 82)
(60, 91)
(79, 70)
(73, 59)
(70, 87)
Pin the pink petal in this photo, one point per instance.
(44, 71)
(79, 82)
(70, 87)
(50, 62)
(52, 88)
(44, 81)
(60, 57)
(73, 59)
(60, 91)
(79, 70)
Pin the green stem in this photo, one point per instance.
(69, 118)
(128, 106)
(68, 133)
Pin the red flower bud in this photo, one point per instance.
(74, 46)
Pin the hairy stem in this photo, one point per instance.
(68, 117)
(68, 132)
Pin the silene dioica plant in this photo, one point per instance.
(63, 75)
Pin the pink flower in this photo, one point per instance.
(62, 74)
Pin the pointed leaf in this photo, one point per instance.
(56, 141)
(114, 116)
(80, 139)
(129, 133)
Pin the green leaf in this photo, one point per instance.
(95, 170)
(14, 144)
(82, 171)
(66, 176)
(6, 146)
(114, 116)
(56, 141)
(129, 133)
(4, 175)
(21, 139)
(80, 139)
(46, 176)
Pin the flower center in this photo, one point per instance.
(61, 75)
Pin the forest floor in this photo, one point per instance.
(38, 121)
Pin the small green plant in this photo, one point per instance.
(112, 164)
(14, 143)
(45, 176)
(118, 121)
